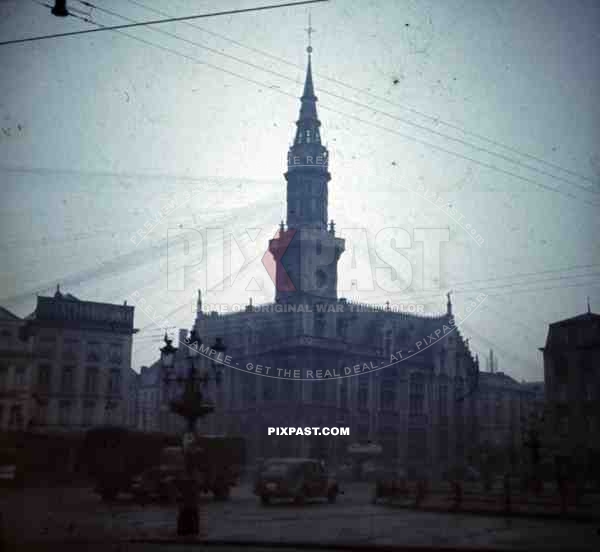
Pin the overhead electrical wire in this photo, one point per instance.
(159, 21)
(435, 119)
(357, 103)
(358, 119)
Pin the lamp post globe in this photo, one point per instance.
(167, 354)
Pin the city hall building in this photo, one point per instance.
(313, 359)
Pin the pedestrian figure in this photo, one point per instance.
(420, 492)
(507, 493)
(458, 493)
(537, 486)
(487, 482)
(563, 490)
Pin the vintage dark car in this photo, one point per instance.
(295, 478)
(391, 484)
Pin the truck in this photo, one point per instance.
(214, 462)
(112, 456)
(149, 465)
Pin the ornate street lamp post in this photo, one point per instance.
(191, 406)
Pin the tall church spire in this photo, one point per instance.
(307, 142)
(308, 160)
(306, 253)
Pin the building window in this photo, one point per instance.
(417, 445)
(486, 410)
(318, 391)
(43, 376)
(363, 395)
(443, 446)
(388, 395)
(319, 323)
(416, 396)
(287, 389)
(20, 375)
(3, 376)
(68, 379)
(443, 402)
(249, 388)
(41, 417)
(94, 352)
(321, 279)
(388, 343)
(344, 395)
(499, 410)
(443, 361)
(91, 380)
(46, 346)
(110, 413)
(16, 417)
(563, 424)
(88, 412)
(590, 392)
(64, 412)
(342, 325)
(70, 345)
(562, 371)
(114, 382)
(115, 355)
(268, 390)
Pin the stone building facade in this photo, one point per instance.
(572, 391)
(16, 360)
(502, 414)
(82, 351)
(313, 359)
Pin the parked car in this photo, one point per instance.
(391, 484)
(295, 478)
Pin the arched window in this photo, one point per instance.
(387, 345)
(321, 278)
(388, 394)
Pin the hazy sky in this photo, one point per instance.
(100, 131)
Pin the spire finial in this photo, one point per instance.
(309, 31)
(449, 303)
(588, 304)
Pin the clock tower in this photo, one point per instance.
(307, 251)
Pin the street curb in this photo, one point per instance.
(303, 545)
(498, 513)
